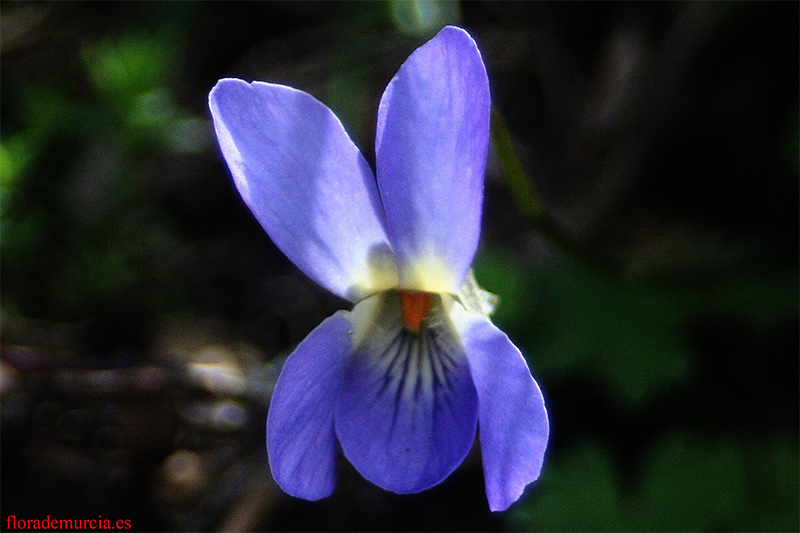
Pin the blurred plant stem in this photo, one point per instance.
(529, 202)
(696, 271)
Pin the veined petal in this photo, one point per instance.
(432, 137)
(306, 183)
(512, 418)
(407, 412)
(300, 436)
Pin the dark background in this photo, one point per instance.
(646, 259)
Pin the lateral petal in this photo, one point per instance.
(512, 418)
(301, 440)
(306, 183)
(431, 143)
(407, 412)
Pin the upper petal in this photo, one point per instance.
(300, 436)
(512, 418)
(432, 137)
(306, 183)
(406, 414)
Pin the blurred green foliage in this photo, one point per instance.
(132, 78)
(423, 17)
(629, 335)
(684, 484)
(631, 339)
(99, 256)
(624, 335)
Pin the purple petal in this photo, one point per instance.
(511, 414)
(407, 412)
(306, 183)
(432, 137)
(300, 436)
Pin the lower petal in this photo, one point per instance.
(300, 437)
(511, 415)
(407, 411)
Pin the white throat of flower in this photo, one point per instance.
(381, 327)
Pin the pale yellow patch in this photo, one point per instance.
(379, 274)
(428, 274)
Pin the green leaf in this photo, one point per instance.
(684, 484)
(573, 321)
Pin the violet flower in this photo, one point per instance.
(404, 379)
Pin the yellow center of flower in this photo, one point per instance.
(414, 306)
